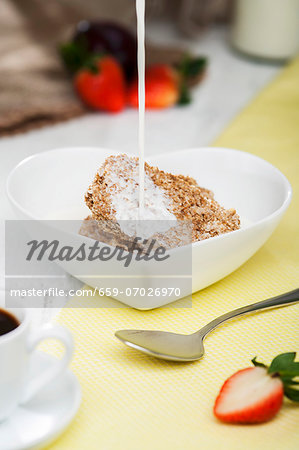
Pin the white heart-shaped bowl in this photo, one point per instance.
(51, 185)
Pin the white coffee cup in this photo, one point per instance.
(16, 348)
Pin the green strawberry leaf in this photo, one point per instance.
(285, 365)
(288, 381)
(258, 364)
(74, 56)
(191, 67)
(292, 394)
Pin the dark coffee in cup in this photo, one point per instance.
(8, 322)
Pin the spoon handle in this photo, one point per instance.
(274, 302)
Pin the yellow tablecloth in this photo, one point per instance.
(133, 402)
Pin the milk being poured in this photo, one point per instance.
(140, 12)
(148, 203)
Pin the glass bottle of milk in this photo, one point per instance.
(266, 28)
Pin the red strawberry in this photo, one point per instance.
(255, 394)
(167, 85)
(102, 84)
(161, 87)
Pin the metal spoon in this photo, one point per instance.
(189, 347)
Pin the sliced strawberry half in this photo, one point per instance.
(255, 394)
(249, 396)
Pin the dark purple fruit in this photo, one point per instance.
(111, 38)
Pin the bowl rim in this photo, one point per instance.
(277, 213)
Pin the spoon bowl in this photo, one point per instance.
(189, 347)
(164, 345)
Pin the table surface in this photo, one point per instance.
(232, 81)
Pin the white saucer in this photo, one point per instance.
(41, 420)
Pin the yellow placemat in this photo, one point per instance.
(133, 402)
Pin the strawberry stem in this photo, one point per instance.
(185, 97)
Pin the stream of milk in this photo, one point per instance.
(140, 12)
